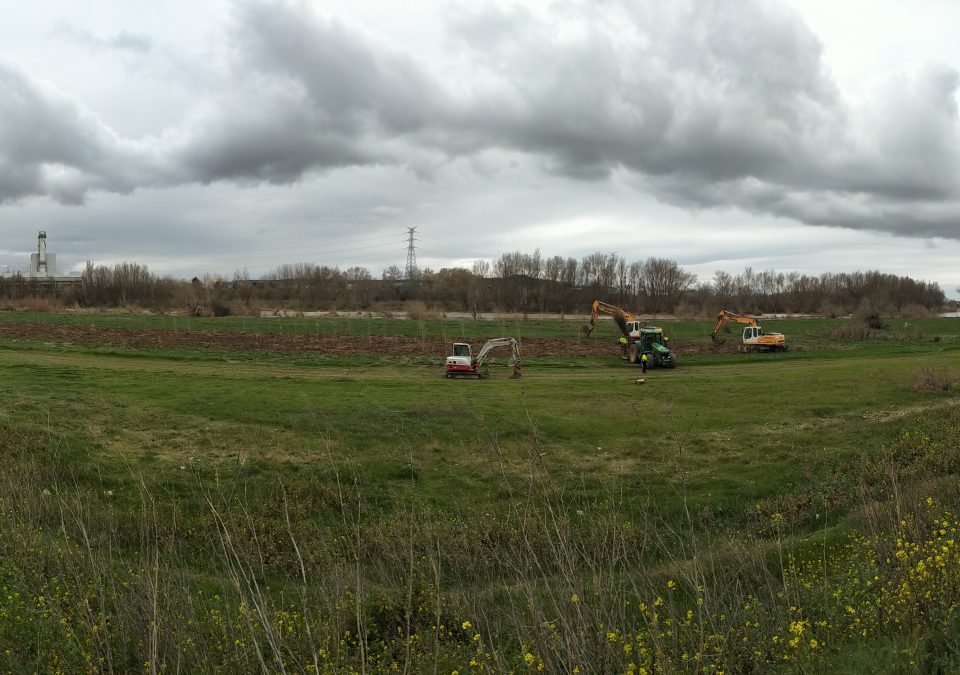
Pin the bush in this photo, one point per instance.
(32, 304)
(219, 308)
(691, 311)
(417, 310)
(854, 331)
(914, 311)
(928, 381)
(832, 310)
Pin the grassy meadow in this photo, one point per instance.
(195, 510)
(362, 324)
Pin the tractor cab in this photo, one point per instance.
(649, 337)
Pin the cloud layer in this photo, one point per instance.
(702, 104)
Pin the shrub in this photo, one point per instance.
(832, 310)
(691, 311)
(853, 330)
(33, 304)
(928, 381)
(219, 308)
(914, 311)
(506, 316)
(418, 311)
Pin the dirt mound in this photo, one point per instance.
(388, 345)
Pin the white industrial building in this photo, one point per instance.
(42, 264)
(43, 267)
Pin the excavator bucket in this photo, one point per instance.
(587, 329)
(516, 372)
(717, 340)
(622, 323)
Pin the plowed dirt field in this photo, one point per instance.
(388, 345)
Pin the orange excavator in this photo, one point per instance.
(628, 323)
(642, 339)
(755, 339)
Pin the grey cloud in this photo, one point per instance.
(353, 81)
(714, 90)
(708, 103)
(50, 146)
(130, 41)
(719, 104)
(275, 141)
(122, 41)
(308, 94)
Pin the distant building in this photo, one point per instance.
(43, 268)
(42, 264)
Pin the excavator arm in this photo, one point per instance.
(620, 316)
(725, 316)
(501, 342)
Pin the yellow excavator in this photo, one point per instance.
(642, 339)
(755, 339)
(627, 322)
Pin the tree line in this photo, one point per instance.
(528, 282)
(514, 282)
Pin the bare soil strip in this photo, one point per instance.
(388, 345)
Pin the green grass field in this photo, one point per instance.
(356, 323)
(486, 502)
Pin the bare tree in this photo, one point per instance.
(622, 280)
(124, 284)
(664, 283)
(392, 273)
(481, 268)
(723, 286)
(359, 284)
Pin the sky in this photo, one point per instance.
(233, 136)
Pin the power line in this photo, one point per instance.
(387, 241)
(378, 248)
(368, 251)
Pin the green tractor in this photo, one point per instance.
(643, 339)
(649, 340)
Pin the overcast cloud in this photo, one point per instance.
(706, 106)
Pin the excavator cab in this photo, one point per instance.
(461, 361)
(752, 333)
(634, 328)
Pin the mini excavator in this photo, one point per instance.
(462, 363)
